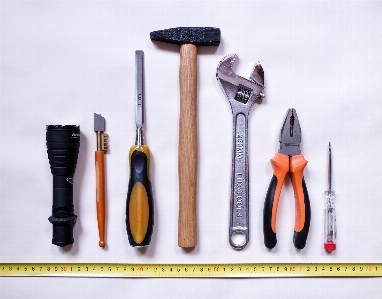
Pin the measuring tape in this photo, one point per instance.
(192, 270)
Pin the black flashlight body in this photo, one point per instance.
(63, 143)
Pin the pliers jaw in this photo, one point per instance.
(290, 134)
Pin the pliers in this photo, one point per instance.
(288, 159)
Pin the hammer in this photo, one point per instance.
(188, 38)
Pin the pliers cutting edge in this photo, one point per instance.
(288, 159)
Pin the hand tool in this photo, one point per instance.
(63, 143)
(102, 148)
(140, 202)
(288, 159)
(189, 38)
(330, 213)
(221, 270)
(241, 94)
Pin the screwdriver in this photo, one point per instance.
(330, 213)
(140, 203)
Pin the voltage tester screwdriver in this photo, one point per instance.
(140, 203)
(330, 213)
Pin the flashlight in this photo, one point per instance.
(63, 143)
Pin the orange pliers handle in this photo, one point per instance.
(282, 165)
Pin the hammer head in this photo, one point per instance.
(200, 36)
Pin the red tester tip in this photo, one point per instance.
(330, 246)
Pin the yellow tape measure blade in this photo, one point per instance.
(193, 270)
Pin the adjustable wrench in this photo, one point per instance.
(241, 94)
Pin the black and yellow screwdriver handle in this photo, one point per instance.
(282, 165)
(140, 203)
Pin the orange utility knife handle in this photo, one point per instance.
(100, 195)
(140, 203)
(280, 164)
(302, 221)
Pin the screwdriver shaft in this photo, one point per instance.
(139, 96)
(330, 168)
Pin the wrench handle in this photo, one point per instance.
(239, 219)
(188, 147)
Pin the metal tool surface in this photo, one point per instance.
(241, 93)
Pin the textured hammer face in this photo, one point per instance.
(201, 36)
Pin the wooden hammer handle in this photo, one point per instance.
(188, 147)
(100, 195)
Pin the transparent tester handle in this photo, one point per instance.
(330, 222)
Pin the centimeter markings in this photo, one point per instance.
(193, 270)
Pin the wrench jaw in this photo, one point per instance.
(236, 88)
(225, 66)
(257, 76)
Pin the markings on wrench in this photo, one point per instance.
(239, 208)
(239, 146)
(239, 194)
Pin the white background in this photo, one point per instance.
(62, 61)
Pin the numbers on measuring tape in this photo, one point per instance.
(191, 270)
